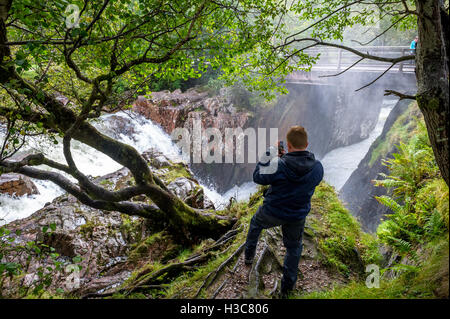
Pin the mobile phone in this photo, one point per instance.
(281, 149)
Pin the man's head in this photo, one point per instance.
(297, 139)
(416, 38)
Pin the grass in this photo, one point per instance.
(342, 243)
(429, 281)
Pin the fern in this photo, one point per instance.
(389, 202)
(435, 224)
(418, 214)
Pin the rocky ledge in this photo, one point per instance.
(177, 110)
(104, 240)
(17, 185)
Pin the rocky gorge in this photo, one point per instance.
(332, 118)
(108, 244)
(359, 192)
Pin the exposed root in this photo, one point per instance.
(169, 271)
(274, 289)
(255, 282)
(214, 295)
(149, 279)
(213, 275)
(228, 236)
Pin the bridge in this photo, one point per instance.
(336, 65)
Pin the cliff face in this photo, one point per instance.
(358, 193)
(178, 110)
(333, 115)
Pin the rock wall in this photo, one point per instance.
(358, 193)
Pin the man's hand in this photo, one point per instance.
(281, 150)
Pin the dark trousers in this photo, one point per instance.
(292, 240)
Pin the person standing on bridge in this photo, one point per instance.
(287, 202)
(413, 45)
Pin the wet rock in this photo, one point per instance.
(102, 239)
(178, 110)
(121, 126)
(191, 193)
(16, 184)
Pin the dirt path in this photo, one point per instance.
(262, 278)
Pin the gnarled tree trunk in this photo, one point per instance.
(432, 74)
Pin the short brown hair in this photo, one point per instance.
(297, 137)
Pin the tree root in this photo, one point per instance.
(214, 295)
(255, 283)
(148, 279)
(267, 261)
(163, 273)
(213, 275)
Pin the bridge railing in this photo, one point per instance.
(340, 59)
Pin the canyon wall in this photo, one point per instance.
(359, 192)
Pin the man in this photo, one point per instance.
(286, 202)
(413, 45)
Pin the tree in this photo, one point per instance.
(311, 23)
(88, 53)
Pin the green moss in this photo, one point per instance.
(87, 229)
(131, 228)
(402, 129)
(430, 281)
(141, 248)
(106, 182)
(175, 171)
(342, 244)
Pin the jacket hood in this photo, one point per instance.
(298, 164)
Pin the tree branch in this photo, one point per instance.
(400, 95)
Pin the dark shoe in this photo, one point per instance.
(284, 294)
(248, 261)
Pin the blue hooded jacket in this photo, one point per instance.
(291, 186)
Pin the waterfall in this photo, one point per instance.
(340, 163)
(142, 135)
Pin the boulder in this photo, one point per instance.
(17, 184)
(191, 193)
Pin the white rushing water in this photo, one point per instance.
(340, 163)
(145, 135)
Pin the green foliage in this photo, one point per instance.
(342, 243)
(402, 130)
(430, 280)
(419, 199)
(17, 279)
